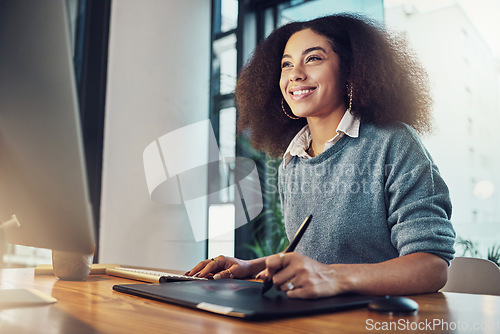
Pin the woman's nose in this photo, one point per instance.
(297, 73)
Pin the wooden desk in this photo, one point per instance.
(91, 306)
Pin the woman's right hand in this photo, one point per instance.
(223, 267)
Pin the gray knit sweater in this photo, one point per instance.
(373, 198)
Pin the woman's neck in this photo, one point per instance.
(323, 129)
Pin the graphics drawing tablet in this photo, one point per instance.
(240, 298)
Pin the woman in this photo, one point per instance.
(340, 100)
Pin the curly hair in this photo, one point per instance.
(389, 84)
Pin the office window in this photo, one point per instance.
(223, 118)
(224, 63)
(306, 10)
(229, 15)
(462, 60)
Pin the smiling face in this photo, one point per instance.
(310, 76)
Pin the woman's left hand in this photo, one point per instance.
(302, 277)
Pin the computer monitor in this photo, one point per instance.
(43, 180)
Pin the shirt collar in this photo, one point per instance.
(348, 125)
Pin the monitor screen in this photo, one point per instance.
(43, 181)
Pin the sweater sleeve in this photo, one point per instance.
(417, 199)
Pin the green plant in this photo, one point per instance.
(469, 248)
(494, 254)
(269, 236)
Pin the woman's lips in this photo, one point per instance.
(300, 93)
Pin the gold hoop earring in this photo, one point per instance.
(284, 110)
(349, 88)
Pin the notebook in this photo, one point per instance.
(240, 298)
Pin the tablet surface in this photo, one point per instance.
(240, 298)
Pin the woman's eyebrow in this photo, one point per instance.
(306, 51)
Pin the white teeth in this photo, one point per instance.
(300, 92)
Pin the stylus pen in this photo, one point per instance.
(291, 247)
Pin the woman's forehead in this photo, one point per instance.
(305, 39)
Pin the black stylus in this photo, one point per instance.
(291, 247)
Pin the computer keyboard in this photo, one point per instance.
(150, 276)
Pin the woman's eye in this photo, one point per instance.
(286, 64)
(312, 58)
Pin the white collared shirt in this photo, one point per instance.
(299, 145)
